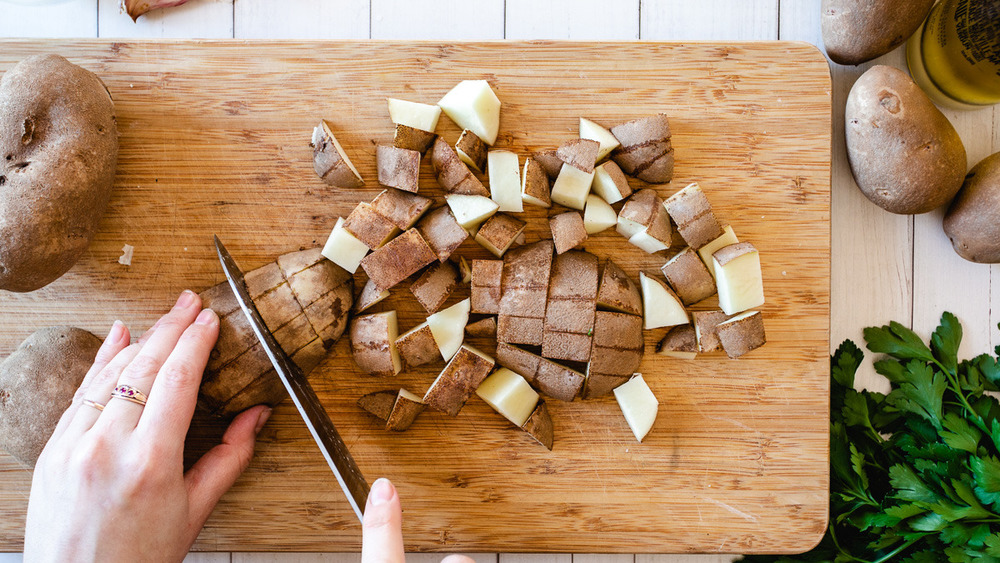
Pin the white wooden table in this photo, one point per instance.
(885, 267)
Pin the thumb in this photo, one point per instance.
(383, 525)
(217, 470)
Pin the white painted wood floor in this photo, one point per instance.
(885, 267)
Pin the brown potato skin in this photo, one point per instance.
(973, 220)
(58, 152)
(37, 383)
(855, 31)
(904, 153)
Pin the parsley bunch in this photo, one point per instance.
(915, 474)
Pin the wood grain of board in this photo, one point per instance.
(214, 139)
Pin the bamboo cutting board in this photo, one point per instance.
(214, 139)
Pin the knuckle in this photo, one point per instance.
(377, 519)
(143, 366)
(177, 375)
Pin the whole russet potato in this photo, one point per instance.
(855, 31)
(904, 153)
(37, 384)
(973, 220)
(59, 148)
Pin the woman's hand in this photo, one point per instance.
(383, 528)
(110, 484)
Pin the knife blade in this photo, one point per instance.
(313, 414)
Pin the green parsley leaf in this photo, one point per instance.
(986, 471)
(959, 434)
(897, 341)
(922, 393)
(945, 341)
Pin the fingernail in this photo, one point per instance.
(382, 492)
(117, 331)
(185, 300)
(207, 317)
(261, 420)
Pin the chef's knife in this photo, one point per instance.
(320, 426)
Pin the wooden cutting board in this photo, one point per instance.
(215, 139)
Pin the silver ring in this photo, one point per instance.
(94, 404)
(130, 394)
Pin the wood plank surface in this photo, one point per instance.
(215, 140)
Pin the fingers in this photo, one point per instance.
(218, 469)
(141, 372)
(382, 540)
(116, 341)
(458, 559)
(172, 398)
(99, 391)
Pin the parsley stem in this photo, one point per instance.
(899, 549)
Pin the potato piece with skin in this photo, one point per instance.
(452, 174)
(407, 137)
(693, 215)
(645, 150)
(607, 142)
(598, 216)
(973, 220)
(398, 168)
(402, 257)
(513, 329)
(644, 221)
(680, 342)
(599, 384)
(442, 232)
(473, 105)
(618, 292)
(505, 180)
(568, 231)
(579, 153)
(519, 360)
(571, 187)
(472, 150)
(569, 314)
(331, 162)
(689, 277)
(370, 296)
(610, 182)
(498, 233)
(59, 141)
(402, 208)
(525, 285)
(660, 305)
(37, 384)
(373, 343)
(482, 328)
(435, 285)
(618, 344)
(705, 323)
(344, 249)
(558, 381)
(414, 114)
(738, 278)
(509, 394)
(638, 404)
(725, 239)
(486, 280)
(448, 327)
(905, 155)
(549, 161)
(471, 210)
(379, 404)
(459, 380)
(535, 184)
(369, 226)
(464, 269)
(742, 333)
(417, 346)
(539, 426)
(855, 32)
(405, 410)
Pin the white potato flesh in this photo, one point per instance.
(448, 328)
(638, 404)
(725, 239)
(397, 362)
(509, 394)
(740, 283)
(605, 187)
(413, 114)
(678, 355)
(594, 132)
(407, 395)
(473, 105)
(628, 228)
(598, 215)
(647, 242)
(660, 305)
(505, 180)
(572, 187)
(344, 249)
(471, 210)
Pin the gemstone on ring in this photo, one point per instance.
(129, 393)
